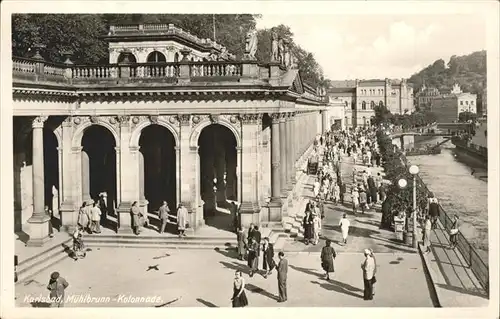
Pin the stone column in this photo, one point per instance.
(128, 178)
(324, 121)
(275, 203)
(85, 176)
(188, 180)
(293, 146)
(143, 203)
(68, 211)
(249, 178)
(39, 221)
(289, 151)
(283, 158)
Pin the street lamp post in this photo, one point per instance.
(414, 171)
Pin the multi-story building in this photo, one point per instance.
(157, 127)
(361, 96)
(447, 107)
(424, 97)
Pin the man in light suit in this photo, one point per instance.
(163, 214)
(282, 275)
(368, 267)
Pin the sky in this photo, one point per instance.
(381, 46)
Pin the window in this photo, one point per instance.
(381, 104)
(461, 102)
(363, 105)
(346, 104)
(372, 105)
(176, 57)
(466, 102)
(471, 102)
(155, 57)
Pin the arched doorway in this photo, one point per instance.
(218, 178)
(157, 148)
(99, 169)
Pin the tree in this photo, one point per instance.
(80, 32)
(382, 115)
(309, 68)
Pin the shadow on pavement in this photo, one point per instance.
(471, 292)
(408, 251)
(307, 271)
(334, 285)
(229, 253)
(235, 266)
(206, 303)
(260, 291)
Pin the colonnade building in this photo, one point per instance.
(199, 129)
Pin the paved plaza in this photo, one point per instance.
(203, 278)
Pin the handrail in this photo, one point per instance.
(473, 259)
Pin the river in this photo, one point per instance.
(461, 186)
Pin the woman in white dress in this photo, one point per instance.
(355, 199)
(344, 226)
(336, 193)
(316, 227)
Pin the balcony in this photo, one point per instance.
(37, 71)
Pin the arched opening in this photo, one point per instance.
(364, 121)
(99, 170)
(381, 104)
(218, 180)
(156, 57)
(50, 171)
(363, 105)
(126, 57)
(372, 105)
(157, 163)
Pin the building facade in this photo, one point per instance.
(192, 132)
(447, 107)
(361, 96)
(424, 97)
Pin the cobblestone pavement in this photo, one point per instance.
(203, 278)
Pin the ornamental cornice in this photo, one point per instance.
(250, 118)
(39, 121)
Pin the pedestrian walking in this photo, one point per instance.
(336, 193)
(48, 212)
(373, 189)
(163, 214)
(57, 286)
(253, 256)
(78, 246)
(182, 220)
(362, 199)
(368, 268)
(344, 226)
(96, 218)
(355, 199)
(316, 228)
(328, 254)
(307, 223)
(242, 238)
(239, 298)
(267, 257)
(433, 209)
(427, 234)
(343, 190)
(83, 220)
(282, 276)
(136, 223)
(454, 232)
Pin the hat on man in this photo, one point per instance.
(54, 275)
(367, 252)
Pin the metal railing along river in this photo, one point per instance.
(476, 263)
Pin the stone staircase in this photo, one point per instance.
(35, 264)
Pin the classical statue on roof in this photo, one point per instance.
(251, 45)
(275, 57)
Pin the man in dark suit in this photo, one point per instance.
(163, 214)
(268, 257)
(282, 275)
